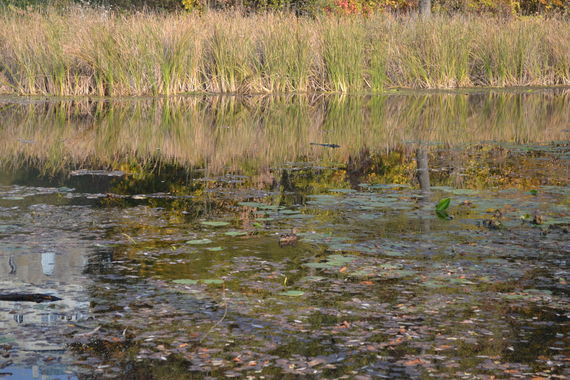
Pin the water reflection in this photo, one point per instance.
(422, 164)
(231, 133)
(175, 265)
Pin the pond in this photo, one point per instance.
(408, 235)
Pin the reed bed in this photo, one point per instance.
(84, 51)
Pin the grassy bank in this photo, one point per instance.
(89, 52)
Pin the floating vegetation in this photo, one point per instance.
(199, 241)
(214, 223)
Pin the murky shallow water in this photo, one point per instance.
(169, 262)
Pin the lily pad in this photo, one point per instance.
(292, 293)
(215, 249)
(323, 265)
(215, 223)
(391, 253)
(199, 241)
(346, 191)
(332, 261)
(289, 212)
(185, 281)
(212, 281)
(312, 278)
(235, 233)
(258, 205)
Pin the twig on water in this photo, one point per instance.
(221, 320)
(129, 238)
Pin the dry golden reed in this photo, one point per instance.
(84, 51)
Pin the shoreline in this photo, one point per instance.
(388, 92)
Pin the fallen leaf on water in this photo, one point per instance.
(316, 362)
(414, 362)
(396, 341)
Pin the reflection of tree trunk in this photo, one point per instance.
(423, 169)
(358, 166)
(12, 264)
(285, 182)
(425, 8)
(422, 174)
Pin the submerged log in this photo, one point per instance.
(28, 297)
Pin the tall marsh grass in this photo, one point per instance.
(89, 52)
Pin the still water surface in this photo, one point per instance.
(158, 224)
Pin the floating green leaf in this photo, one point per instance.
(340, 259)
(215, 249)
(346, 191)
(442, 214)
(290, 212)
(212, 281)
(312, 278)
(323, 265)
(258, 205)
(185, 281)
(292, 293)
(391, 253)
(199, 241)
(214, 223)
(432, 284)
(333, 261)
(443, 204)
(235, 233)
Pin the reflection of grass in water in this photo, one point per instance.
(256, 133)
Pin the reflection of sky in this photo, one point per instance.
(44, 249)
(22, 314)
(37, 372)
(50, 318)
(48, 263)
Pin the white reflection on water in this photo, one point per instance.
(48, 263)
